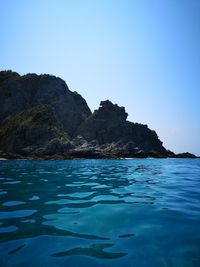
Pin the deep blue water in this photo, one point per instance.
(120, 213)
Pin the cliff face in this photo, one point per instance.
(31, 129)
(108, 124)
(105, 125)
(39, 115)
(18, 93)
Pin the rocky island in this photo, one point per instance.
(40, 118)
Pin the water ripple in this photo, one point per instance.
(143, 207)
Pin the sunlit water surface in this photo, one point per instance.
(134, 213)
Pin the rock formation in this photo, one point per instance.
(19, 93)
(108, 124)
(41, 118)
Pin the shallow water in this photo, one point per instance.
(141, 212)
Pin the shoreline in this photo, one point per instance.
(64, 157)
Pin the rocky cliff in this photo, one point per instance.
(108, 125)
(19, 93)
(41, 118)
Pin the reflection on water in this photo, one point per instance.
(95, 250)
(138, 213)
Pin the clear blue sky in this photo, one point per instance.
(144, 55)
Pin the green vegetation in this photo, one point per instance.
(35, 126)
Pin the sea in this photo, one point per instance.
(100, 213)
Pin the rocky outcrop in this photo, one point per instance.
(105, 125)
(185, 155)
(30, 129)
(108, 124)
(18, 93)
(41, 118)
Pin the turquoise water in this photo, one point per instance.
(134, 213)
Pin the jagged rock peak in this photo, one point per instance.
(105, 125)
(109, 110)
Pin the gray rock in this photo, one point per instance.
(18, 93)
(41, 118)
(33, 127)
(56, 146)
(108, 125)
(185, 155)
